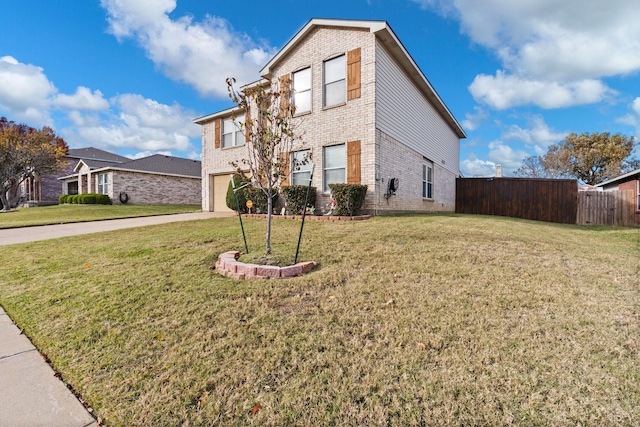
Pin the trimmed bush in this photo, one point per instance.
(349, 198)
(73, 199)
(295, 195)
(62, 199)
(259, 199)
(89, 199)
(239, 180)
(103, 199)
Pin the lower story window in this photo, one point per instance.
(103, 183)
(334, 166)
(427, 180)
(301, 173)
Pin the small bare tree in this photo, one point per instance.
(270, 131)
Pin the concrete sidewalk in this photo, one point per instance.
(12, 236)
(30, 394)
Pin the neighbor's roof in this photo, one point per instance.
(388, 38)
(619, 178)
(90, 153)
(162, 165)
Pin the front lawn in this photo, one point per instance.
(409, 320)
(60, 214)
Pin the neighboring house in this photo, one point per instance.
(46, 189)
(367, 113)
(156, 179)
(627, 181)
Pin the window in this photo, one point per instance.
(232, 135)
(334, 81)
(427, 180)
(302, 90)
(300, 174)
(103, 183)
(334, 166)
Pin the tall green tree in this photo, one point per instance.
(26, 152)
(270, 129)
(591, 158)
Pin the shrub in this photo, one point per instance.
(349, 198)
(103, 199)
(239, 180)
(73, 199)
(259, 199)
(89, 199)
(295, 195)
(63, 199)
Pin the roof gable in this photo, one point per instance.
(385, 35)
(620, 178)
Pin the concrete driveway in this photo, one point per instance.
(12, 236)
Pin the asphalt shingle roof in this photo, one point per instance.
(90, 153)
(162, 164)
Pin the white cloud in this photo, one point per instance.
(200, 54)
(473, 120)
(473, 166)
(633, 118)
(560, 49)
(137, 123)
(83, 99)
(125, 121)
(505, 155)
(499, 154)
(24, 92)
(504, 91)
(539, 135)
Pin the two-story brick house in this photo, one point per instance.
(367, 112)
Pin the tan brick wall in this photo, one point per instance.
(145, 189)
(399, 161)
(355, 120)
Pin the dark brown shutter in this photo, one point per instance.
(353, 162)
(285, 93)
(247, 127)
(284, 158)
(353, 74)
(217, 136)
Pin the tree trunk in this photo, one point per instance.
(269, 213)
(4, 203)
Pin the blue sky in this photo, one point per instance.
(129, 76)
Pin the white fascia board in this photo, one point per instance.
(223, 113)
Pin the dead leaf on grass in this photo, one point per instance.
(256, 409)
(160, 337)
(86, 265)
(389, 302)
(421, 346)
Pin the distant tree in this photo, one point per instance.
(269, 122)
(531, 167)
(590, 158)
(26, 152)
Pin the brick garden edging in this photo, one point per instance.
(228, 265)
(311, 217)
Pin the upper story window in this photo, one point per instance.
(427, 180)
(334, 81)
(103, 183)
(232, 135)
(302, 90)
(301, 173)
(334, 166)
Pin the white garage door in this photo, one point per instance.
(220, 185)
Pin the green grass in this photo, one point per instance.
(409, 320)
(59, 214)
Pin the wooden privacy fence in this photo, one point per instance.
(552, 200)
(606, 208)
